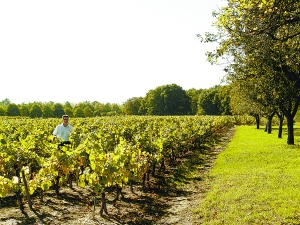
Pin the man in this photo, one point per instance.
(62, 131)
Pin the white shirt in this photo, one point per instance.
(63, 132)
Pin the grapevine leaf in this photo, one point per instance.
(3, 142)
(97, 147)
(45, 186)
(93, 165)
(113, 169)
(81, 182)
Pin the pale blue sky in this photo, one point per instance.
(106, 51)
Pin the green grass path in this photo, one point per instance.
(256, 180)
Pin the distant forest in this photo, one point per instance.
(163, 100)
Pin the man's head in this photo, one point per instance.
(65, 120)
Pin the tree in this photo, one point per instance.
(58, 110)
(97, 108)
(12, 110)
(166, 100)
(68, 108)
(88, 111)
(2, 111)
(194, 96)
(132, 106)
(214, 101)
(47, 111)
(245, 100)
(115, 108)
(24, 110)
(67, 105)
(68, 111)
(106, 109)
(36, 111)
(5, 102)
(208, 102)
(224, 99)
(79, 112)
(152, 104)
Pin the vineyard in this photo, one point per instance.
(105, 154)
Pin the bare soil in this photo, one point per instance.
(162, 201)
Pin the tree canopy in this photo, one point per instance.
(260, 41)
(166, 100)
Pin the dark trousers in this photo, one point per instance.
(63, 143)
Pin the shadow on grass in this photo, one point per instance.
(284, 130)
(275, 130)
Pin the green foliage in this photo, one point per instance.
(12, 110)
(194, 96)
(24, 110)
(244, 99)
(104, 151)
(5, 102)
(214, 101)
(132, 106)
(36, 111)
(208, 103)
(68, 110)
(88, 111)
(67, 105)
(260, 39)
(58, 110)
(2, 111)
(166, 100)
(79, 112)
(47, 111)
(116, 108)
(297, 118)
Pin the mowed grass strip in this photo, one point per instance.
(256, 180)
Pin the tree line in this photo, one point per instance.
(164, 100)
(56, 110)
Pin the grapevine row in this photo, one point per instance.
(104, 152)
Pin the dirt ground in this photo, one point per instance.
(158, 203)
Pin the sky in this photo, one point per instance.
(103, 50)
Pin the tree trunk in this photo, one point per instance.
(95, 203)
(257, 119)
(72, 176)
(57, 185)
(281, 118)
(103, 205)
(118, 193)
(18, 193)
(26, 189)
(266, 126)
(148, 174)
(269, 123)
(162, 165)
(42, 195)
(144, 180)
(19, 198)
(153, 169)
(131, 186)
(290, 127)
(290, 112)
